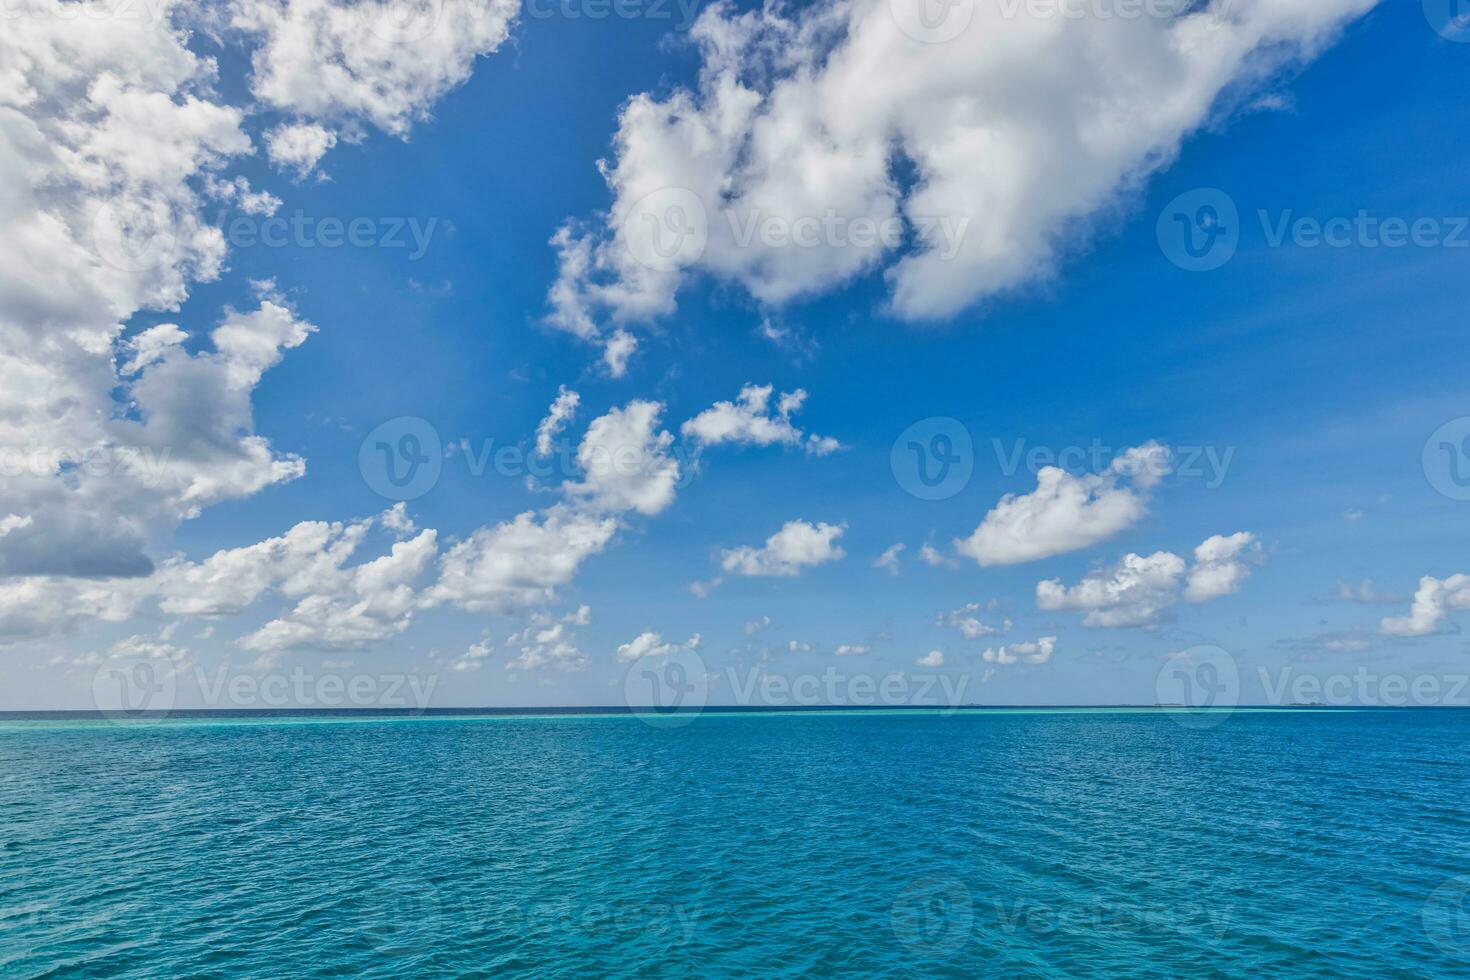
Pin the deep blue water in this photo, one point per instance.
(1031, 844)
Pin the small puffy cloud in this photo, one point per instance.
(1432, 603)
(617, 350)
(561, 412)
(850, 650)
(299, 146)
(651, 644)
(626, 462)
(756, 625)
(888, 561)
(934, 658)
(971, 627)
(1028, 652)
(751, 420)
(520, 562)
(1140, 590)
(1066, 512)
(798, 545)
(796, 646)
(545, 645)
(932, 556)
(475, 656)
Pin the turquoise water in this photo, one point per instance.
(1029, 843)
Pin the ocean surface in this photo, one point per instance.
(1036, 843)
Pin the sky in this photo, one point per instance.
(578, 353)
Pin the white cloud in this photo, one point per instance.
(934, 658)
(1140, 590)
(971, 627)
(888, 561)
(563, 409)
(930, 555)
(337, 66)
(1432, 603)
(617, 350)
(520, 562)
(750, 420)
(756, 625)
(1066, 512)
(1029, 652)
(647, 644)
(547, 646)
(781, 162)
(849, 650)
(796, 546)
(626, 462)
(797, 646)
(299, 146)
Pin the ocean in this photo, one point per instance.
(1039, 843)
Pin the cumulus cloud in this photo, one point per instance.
(547, 645)
(751, 420)
(798, 545)
(337, 67)
(112, 134)
(474, 656)
(851, 649)
(626, 461)
(1066, 512)
(1027, 652)
(1140, 590)
(934, 658)
(1432, 603)
(780, 171)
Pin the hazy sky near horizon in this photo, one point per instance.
(539, 349)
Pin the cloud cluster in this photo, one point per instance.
(1027, 652)
(1066, 512)
(830, 140)
(797, 546)
(1432, 603)
(750, 420)
(1140, 590)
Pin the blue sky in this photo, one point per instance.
(1312, 375)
